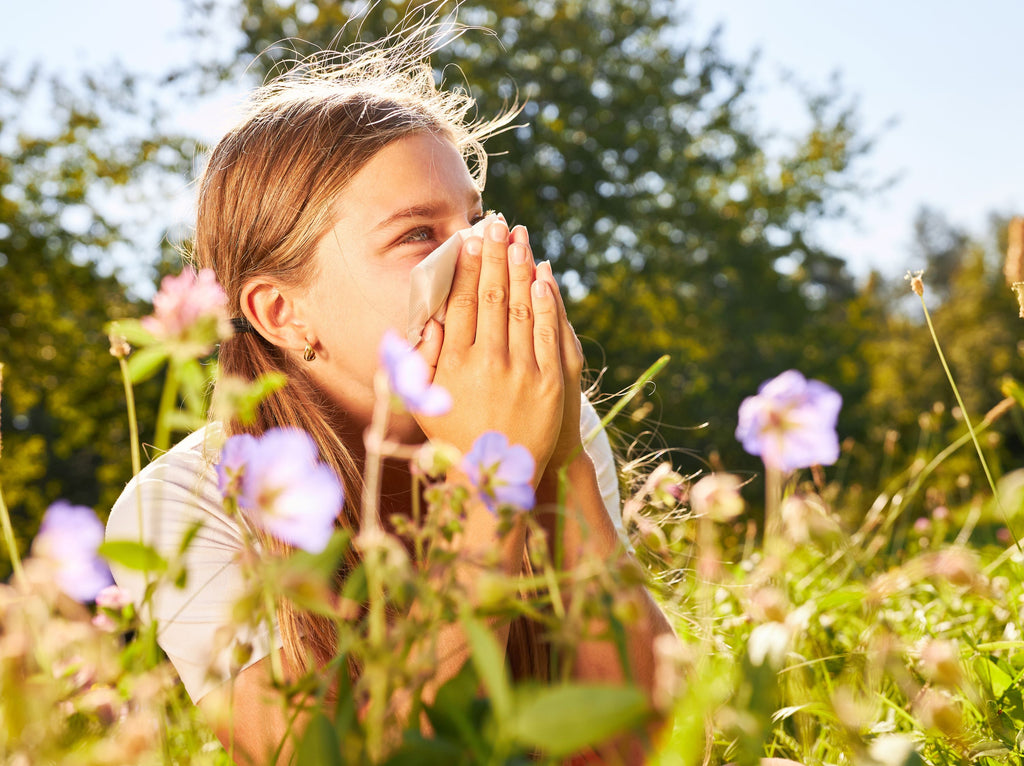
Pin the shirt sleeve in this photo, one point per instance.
(600, 451)
(169, 498)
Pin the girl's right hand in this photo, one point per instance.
(500, 355)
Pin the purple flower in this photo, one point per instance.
(69, 536)
(407, 378)
(791, 423)
(281, 486)
(501, 473)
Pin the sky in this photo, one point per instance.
(940, 83)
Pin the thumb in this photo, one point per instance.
(430, 346)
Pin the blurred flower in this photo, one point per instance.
(791, 422)
(407, 378)
(940, 662)
(281, 486)
(434, 459)
(805, 517)
(1004, 535)
(769, 643)
(957, 565)
(717, 496)
(113, 597)
(923, 525)
(500, 472)
(69, 537)
(938, 710)
(941, 513)
(891, 749)
(185, 301)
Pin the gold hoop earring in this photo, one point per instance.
(308, 353)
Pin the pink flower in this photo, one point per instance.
(717, 496)
(184, 301)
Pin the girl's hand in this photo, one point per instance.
(500, 353)
(571, 356)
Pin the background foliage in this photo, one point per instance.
(641, 173)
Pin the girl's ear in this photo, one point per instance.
(273, 314)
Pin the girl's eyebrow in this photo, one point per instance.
(427, 210)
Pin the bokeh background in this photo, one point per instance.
(741, 185)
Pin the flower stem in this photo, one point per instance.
(5, 520)
(963, 410)
(162, 438)
(133, 419)
(12, 545)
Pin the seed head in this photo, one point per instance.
(916, 282)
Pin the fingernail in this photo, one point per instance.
(520, 235)
(428, 331)
(474, 246)
(498, 231)
(540, 290)
(546, 266)
(517, 254)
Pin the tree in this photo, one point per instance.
(63, 415)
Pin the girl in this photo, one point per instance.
(312, 212)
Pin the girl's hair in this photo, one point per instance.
(266, 199)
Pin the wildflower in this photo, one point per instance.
(938, 710)
(717, 496)
(69, 538)
(185, 302)
(956, 565)
(891, 749)
(940, 662)
(500, 472)
(769, 643)
(280, 485)
(791, 422)
(119, 347)
(407, 378)
(923, 525)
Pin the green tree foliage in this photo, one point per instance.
(63, 422)
(976, 320)
(640, 175)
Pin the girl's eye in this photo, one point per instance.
(422, 234)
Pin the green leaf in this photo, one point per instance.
(133, 555)
(420, 751)
(489, 661)
(994, 677)
(562, 720)
(144, 363)
(132, 331)
(455, 711)
(319, 743)
(325, 563)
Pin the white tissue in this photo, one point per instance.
(430, 281)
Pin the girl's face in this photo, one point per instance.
(407, 200)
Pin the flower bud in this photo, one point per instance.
(940, 662)
(717, 496)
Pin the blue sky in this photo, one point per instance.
(950, 73)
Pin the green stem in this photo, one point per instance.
(963, 410)
(168, 399)
(12, 545)
(133, 419)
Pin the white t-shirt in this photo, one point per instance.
(179, 489)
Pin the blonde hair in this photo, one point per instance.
(265, 200)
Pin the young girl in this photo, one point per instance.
(312, 212)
